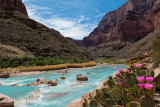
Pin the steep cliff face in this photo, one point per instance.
(124, 27)
(13, 5)
(22, 36)
(113, 25)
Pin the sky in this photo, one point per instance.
(72, 18)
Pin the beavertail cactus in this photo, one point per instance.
(131, 97)
(110, 83)
(133, 104)
(143, 73)
(152, 73)
(147, 101)
(110, 103)
(124, 95)
(135, 89)
(93, 103)
(140, 93)
(85, 104)
(133, 75)
(131, 82)
(116, 94)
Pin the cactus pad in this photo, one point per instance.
(147, 101)
(116, 94)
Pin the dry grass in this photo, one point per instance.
(53, 67)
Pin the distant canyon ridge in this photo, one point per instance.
(125, 32)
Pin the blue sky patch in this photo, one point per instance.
(72, 18)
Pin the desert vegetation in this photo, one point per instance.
(156, 50)
(56, 67)
(113, 61)
(134, 87)
(6, 62)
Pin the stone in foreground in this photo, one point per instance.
(5, 101)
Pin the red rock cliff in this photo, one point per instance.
(13, 5)
(129, 23)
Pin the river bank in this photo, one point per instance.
(64, 90)
(51, 67)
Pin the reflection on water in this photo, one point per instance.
(60, 95)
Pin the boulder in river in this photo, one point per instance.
(1, 84)
(15, 85)
(5, 101)
(34, 83)
(52, 82)
(80, 77)
(62, 77)
(41, 81)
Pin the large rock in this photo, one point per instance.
(80, 77)
(5, 75)
(13, 5)
(41, 81)
(62, 77)
(5, 101)
(52, 82)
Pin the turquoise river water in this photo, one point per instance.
(58, 96)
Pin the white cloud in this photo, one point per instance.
(68, 27)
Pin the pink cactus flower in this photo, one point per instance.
(120, 70)
(120, 83)
(148, 86)
(140, 79)
(149, 79)
(142, 86)
(127, 71)
(110, 77)
(137, 65)
(118, 74)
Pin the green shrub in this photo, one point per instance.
(113, 61)
(156, 50)
(6, 62)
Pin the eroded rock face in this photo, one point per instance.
(126, 23)
(13, 5)
(5, 101)
(124, 27)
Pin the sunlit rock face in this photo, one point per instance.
(13, 5)
(124, 27)
(126, 23)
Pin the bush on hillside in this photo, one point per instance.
(156, 50)
(6, 62)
